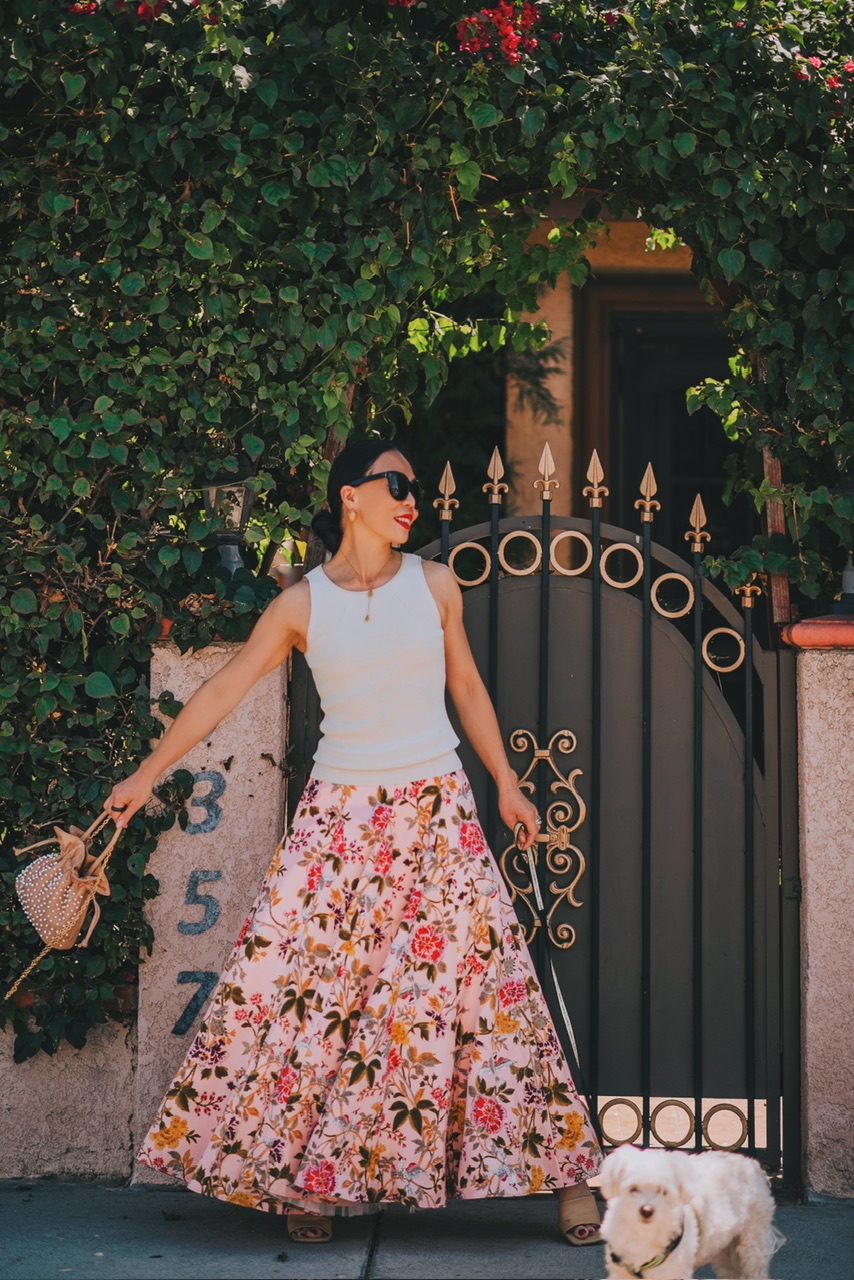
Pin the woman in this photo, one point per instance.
(378, 1035)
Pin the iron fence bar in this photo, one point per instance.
(543, 711)
(771, 901)
(595, 799)
(492, 669)
(697, 1028)
(749, 886)
(646, 838)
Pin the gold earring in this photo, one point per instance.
(351, 515)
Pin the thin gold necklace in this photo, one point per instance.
(365, 586)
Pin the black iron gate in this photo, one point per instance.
(657, 738)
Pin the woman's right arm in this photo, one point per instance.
(283, 624)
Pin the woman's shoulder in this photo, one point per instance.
(442, 583)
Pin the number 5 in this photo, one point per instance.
(209, 905)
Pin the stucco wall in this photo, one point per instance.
(69, 1115)
(826, 766)
(211, 871)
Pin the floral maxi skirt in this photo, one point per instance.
(378, 1035)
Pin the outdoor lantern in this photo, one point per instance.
(229, 499)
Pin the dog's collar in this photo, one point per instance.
(641, 1271)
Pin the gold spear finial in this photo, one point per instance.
(747, 592)
(595, 490)
(648, 488)
(447, 487)
(495, 471)
(698, 534)
(547, 469)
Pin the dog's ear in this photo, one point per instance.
(614, 1171)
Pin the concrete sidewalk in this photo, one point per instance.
(50, 1229)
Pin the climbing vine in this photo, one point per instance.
(232, 231)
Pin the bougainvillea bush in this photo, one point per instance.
(232, 231)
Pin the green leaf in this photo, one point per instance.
(685, 143)
(253, 446)
(99, 685)
(267, 92)
(24, 601)
(484, 115)
(201, 247)
(468, 179)
(829, 234)
(731, 262)
(74, 85)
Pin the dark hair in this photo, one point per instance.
(351, 464)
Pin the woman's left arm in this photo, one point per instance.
(474, 706)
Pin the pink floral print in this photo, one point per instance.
(378, 1035)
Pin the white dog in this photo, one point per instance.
(670, 1212)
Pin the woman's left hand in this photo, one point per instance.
(515, 807)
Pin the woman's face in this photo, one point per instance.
(390, 518)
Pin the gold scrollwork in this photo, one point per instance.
(734, 1110)
(718, 666)
(681, 1106)
(528, 537)
(470, 582)
(672, 613)
(614, 1140)
(580, 537)
(603, 560)
(563, 816)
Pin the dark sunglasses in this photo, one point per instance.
(399, 485)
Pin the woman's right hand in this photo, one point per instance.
(128, 796)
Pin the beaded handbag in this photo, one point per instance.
(57, 889)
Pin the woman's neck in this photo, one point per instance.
(364, 560)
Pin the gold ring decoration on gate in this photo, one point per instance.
(620, 1102)
(580, 537)
(717, 666)
(659, 607)
(742, 1119)
(680, 1105)
(527, 537)
(603, 560)
(470, 582)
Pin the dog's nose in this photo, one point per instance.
(646, 1212)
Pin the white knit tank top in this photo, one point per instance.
(381, 682)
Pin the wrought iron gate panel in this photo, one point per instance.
(664, 770)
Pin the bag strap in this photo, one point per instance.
(86, 836)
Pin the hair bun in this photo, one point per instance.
(327, 529)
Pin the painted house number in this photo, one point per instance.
(204, 979)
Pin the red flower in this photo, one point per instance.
(91, 7)
(384, 859)
(488, 1113)
(394, 1059)
(801, 74)
(151, 9)
(849, 67)
(814, 62)
(611, 17)
(320, 1178)
(315, 875)
(412, 906)
(285, 1085)
(471, 837)
(512, 992)
(833, 82)
(440, 1097)
(427, 944)
(381, 817)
